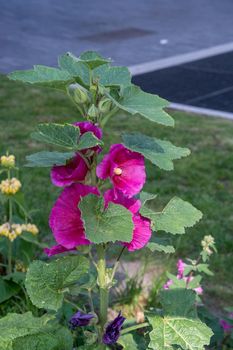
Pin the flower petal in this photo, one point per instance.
(141, 233)
(56, 249)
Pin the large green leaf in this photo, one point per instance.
(179, 326)
(44, 76)
(160, 244)
(105, 225)
(137, 102)
(76, 68)
(93, 59)
(127, 342)
(48, 159)
(14, 326)
(7, 289)
(112, 76)
(65, 135)
(159, 152)
(175, 217)
(53, 339)
(46, 283)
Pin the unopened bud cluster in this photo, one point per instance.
(208, 243)
(12, 231)
(10, 186)
(7, 161)
(20, 267)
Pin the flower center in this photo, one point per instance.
(117, 171)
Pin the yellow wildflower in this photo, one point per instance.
(31, 228)
(10, 186)
(8, 161)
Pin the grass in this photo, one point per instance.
(205, 178)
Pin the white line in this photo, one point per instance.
(202, 111)
(180, 59)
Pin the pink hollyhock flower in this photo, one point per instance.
(56, 249)
(226, 326)
(142, 225)
(74, 171)
(167, 284)
(199, 290)
(180, 268)
(65, 217)
(76, 168)
(125, 168)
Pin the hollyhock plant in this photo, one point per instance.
(65, 218)
(125, 168)
(90, 218)
(142, 225)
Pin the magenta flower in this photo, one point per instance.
(65, 217)
(199, 290)
(56, 249)
(112, 332)
(180, 268)
(226, 326)
(76, 168)
(80, 320)
(125, 168)
(142, 225)
(74, 171)
(167, 284)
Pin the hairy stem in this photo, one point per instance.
(133, 328)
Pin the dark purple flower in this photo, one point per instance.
(80, 319)
(227, 327)
(112, 332)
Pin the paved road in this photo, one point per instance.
(37, 31)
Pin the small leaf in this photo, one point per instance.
(145, 196)
(46, 283)
(137, 102)
(77, 69)
(105, 225)
(93, 59)
(160, 244)
(112, 76)
(204, 268)
(88, 140)
(179, 325)
(66, 135)
(175, 217)
(7, 289)
(160, 153)
(44, 76)
(48, 159)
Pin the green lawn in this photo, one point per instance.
(205, 178)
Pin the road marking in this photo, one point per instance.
(201, 111)
(180, 59)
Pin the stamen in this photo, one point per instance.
(117, 171)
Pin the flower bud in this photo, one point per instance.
(79, 93)
(93, 111)
(105, 105)
(10, 186)
(8, 161)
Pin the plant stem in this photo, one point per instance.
(9, 267)
(115, 267)
(103, 288)
(133, 328)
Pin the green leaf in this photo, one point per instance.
(179, 325)
(145, 196)
(137, 102)
(175, 217)
(14, 326)
(48, 159)
(66, 135)
(46, 283)
(128, 342)
(50, 339)
(28, 237)
(44, 76)
(204, 268)
(159, 152)
(112, 76)
(160, 244)
(7, 289)
(110, 225)
(77, 69)
(88, 140)
(93, 59)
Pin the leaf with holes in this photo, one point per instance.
(105, 225)
(137, 102)
(44, 76)
(48, 159)
(159, 152)
(175, 217)
(179, 326)
(47, 283)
